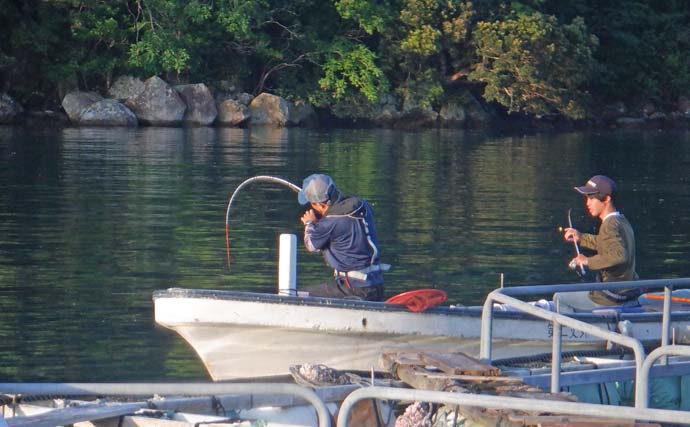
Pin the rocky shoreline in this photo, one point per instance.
(131, 102)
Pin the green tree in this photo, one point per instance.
(645, 51)
(36, 59)
(430, 48)
(170, 36)
(353, 66)
(531, 63)
(98, 39)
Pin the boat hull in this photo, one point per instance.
(240, 335)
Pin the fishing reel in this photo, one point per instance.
(579, 269)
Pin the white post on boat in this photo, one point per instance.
(287, 265)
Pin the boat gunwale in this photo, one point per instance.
(338, 303)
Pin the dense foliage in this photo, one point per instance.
(541, 57)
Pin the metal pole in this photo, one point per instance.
(486, 329)
(556, 358)
(666, 320)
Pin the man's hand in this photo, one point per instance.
(571, 235)
(309, 216)
(578, 261)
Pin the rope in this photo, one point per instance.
(263, 178)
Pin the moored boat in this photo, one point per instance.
(242, 334)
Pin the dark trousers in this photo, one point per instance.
(341, 287)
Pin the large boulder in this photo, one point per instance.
(75, 102)
(108, 112)
(232, 112)
(9, 109)
(201, 107)
(125, 87)
(269, 110)
(158, 103)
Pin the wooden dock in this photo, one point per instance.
(458, 372)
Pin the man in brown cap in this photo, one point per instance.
(614, 245)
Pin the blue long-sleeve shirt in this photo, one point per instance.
(346, 235)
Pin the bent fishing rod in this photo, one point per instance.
(259, 178)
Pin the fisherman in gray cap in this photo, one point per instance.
(614, 248)
(342, 229)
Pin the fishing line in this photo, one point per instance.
(263, 178)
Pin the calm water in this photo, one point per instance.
(92, 221)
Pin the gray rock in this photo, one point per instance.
(684, 105)
(201, 107)
(415, 114)
(648, 109)
(125, 87)
(74, 103)
(269, 110)
(232, 113)
(245, 98)
(302, 114)
(387, 113)
(9, 109)
(158, 104)
(614, 111)
(452, 113)
(108, 112)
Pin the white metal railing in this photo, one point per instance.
(129, 389)
(642, 383)
(505, 296)
(503, 402)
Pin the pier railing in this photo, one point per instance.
(506, 296)
(503, 402)
(189, 389)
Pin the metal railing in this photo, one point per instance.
(642, 383)
(505, 296)
(133, 389)
(503, 402)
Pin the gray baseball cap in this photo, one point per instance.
(316, 188)
(598, 184)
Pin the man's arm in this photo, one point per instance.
(610, 248)
(308, 233)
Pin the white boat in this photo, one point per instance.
(241, 334)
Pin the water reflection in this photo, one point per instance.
(94, 220)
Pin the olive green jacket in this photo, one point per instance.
(615, 247)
